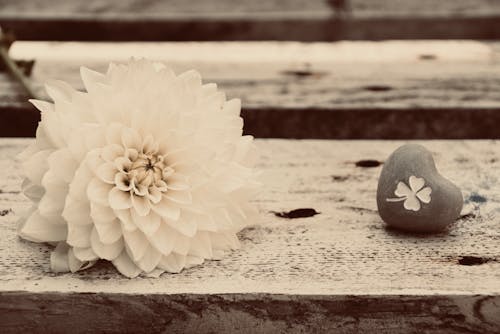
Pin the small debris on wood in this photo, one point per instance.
(377, 88)
(340, 178)
(305, 72)
(297, 213)
(299, 73)
(473, 260)
(476, 198)
(5, 212)
(469, 215)
(368, 163)
(427, 57)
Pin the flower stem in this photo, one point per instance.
(14, 70)
(399, 199)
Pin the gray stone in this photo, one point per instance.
(413, 196)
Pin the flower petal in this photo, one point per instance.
(36, 166)
(122, 182)
(119, 200)
(207, 223)
(99, 192)
(74, 263)
(125, 265)
(224, 241)
(232, 107)
(114, 134)
(85, 254)
(148, 224)
(39, 229)
(180, 197)
(76, 143)
(164, 239)
(182, 244)
(154, 195)
(105, 251)
(90, 78)
(136, 243)
(76, 212)
(177, 182)
(150, 259)
(109, 232)
(106, 172)
(131, 139)
(79, 235)
(149, 145)
(62, 164)
(42, 105)
(141, 205)
(101, 213)
(59, 90)
(126, 219)
(174, 263)
(80, 182)
(123, 164)
(32, 191)
(154, 273)
(166, 209)
(192, 261)
(201, 246)
(59, 258)
(110, 152)
(93, 160)
(51, 206)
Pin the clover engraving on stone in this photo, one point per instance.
(413, 195)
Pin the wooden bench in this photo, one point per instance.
(345, 90)
(320, 259)
(302, 20)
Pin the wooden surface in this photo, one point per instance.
(419, 89)
(339, 270)
(303, 20)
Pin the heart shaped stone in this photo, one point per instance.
(413, 196)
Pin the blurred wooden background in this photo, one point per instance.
(301, 20)
(343, 90)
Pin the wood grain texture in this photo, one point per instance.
(303, 20)
(246, 313)
(338, 270)
(362, 90)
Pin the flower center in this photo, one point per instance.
(142, 173)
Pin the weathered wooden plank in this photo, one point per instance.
(341, 90)
(303, 20)
(338, 270)
(246, 313)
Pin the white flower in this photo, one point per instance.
(412, 196)
(146, 169)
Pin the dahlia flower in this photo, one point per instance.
(145, 169)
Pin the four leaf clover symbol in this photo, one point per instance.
(412, 195)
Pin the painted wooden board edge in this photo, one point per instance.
(249, 28)
(21, 120)
(247, 313)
